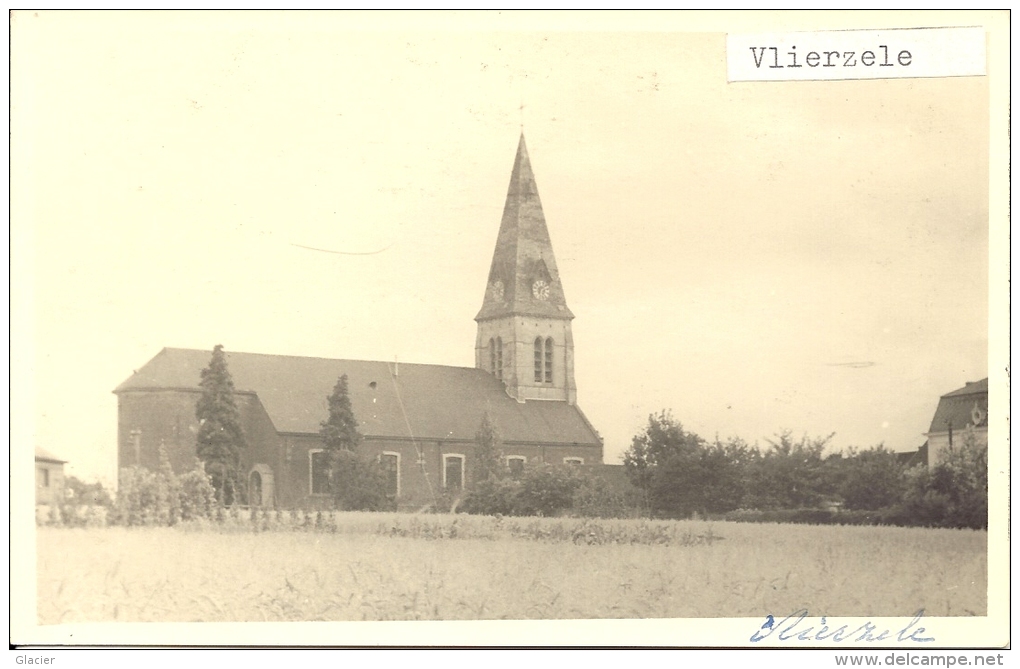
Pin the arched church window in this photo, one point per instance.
(390, 461)
(453, 471)
(492, 355)
(538, 360)
(548, 360)
(515, 463)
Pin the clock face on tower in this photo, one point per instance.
(497, 291)
(540, 289)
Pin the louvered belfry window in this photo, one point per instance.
(538, 360)
(548, 360)
(543, 360)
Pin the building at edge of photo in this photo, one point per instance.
(49, 478)
(419, 420)
(962, 411)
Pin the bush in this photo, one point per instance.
(80, 493)
(358, 484)
(595, 499)
(83, 505)
(870, 479)
(197, 495)
(162, 498)
(544, 490)
(137, 497)
(493, 496)
(547, 490)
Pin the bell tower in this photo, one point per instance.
(524, 336)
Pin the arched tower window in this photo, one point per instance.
(543, 360)
(548, 360)
(538, 360)
(499, 358)
(492, 355)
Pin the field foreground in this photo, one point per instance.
(400, 567)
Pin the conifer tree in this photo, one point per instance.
(489, 450)
(220, 436)
(340, 430)
(354, 482)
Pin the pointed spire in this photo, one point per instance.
(522, 179)
(523, 278)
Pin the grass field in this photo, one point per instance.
(400, 567)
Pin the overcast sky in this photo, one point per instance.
(810, 256)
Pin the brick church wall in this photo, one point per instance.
(421, 466)
(146, 418)
(168, 416)
(150, 417)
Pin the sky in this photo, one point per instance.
(753, 257)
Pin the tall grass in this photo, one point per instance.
(432, 527)
(402, 567)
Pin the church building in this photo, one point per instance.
(420, 421)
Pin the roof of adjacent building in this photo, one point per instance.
(389, 399)
(523, 253)
(962, 407)
(911, 458)
(41, 454)
(971, 388)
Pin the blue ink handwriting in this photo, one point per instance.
(789, 628)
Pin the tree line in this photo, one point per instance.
(681, 474)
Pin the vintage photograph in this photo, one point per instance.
(333, 317)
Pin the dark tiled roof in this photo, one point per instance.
(972, 388)
(45, 456)
(962, 407)
(423, 401)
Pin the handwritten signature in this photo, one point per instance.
(789, 628)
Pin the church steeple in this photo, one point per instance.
(523, 278)
(524, 335)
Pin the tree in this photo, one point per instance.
(954, 492)
(220, 436)
(91, 494)
(664, 438)
(163, 498)
(197, 495)
(340, 430)
(966, 468)
(546, 490)
(706, 478)
(355, 483)
(681, 473)
(489, 451)
(493, 496)
(790, 475)
(870, 479)
(168, 490)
